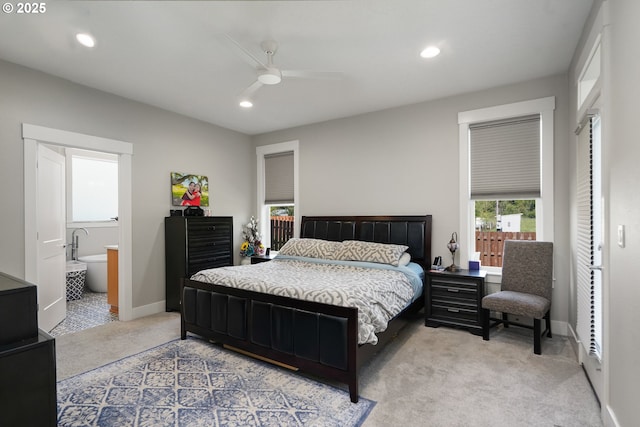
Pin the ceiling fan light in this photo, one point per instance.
(430, 52)
(271, 76)
(245, 103)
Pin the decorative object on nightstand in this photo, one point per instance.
(453, 298)
(453, 246)
(252, 240)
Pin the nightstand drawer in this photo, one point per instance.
(467, 291)
(455, 304)
(454, 313)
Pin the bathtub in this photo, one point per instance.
(96, 271)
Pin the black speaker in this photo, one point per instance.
(175, 212)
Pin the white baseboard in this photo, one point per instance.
(609, 418)
(559, 327)
(149, 309)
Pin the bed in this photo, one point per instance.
(312, 335)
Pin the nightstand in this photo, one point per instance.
(256, 259)
(454, 299)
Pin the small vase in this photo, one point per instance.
(245, 260)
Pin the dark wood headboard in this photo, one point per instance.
(413, 231)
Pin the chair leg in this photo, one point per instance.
(505, 320)
(547, 319)
(485, 324)
(536, 336)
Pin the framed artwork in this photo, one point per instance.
(188, 189)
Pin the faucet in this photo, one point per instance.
(74, 242)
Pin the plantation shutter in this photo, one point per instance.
(505, 158)
(278, 177)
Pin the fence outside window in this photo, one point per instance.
(490, 244)
(281, 231)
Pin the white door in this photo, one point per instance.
(50, 203)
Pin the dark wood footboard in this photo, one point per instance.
(317, 338)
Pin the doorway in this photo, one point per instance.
(91, 224)
(33, 137)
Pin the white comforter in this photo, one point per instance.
(379, 294)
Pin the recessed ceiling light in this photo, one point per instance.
(86, 39)
(246, 104)
(430, 52)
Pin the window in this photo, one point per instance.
(93, 195)
(278, 192)
(500, 220)
(506, 182)
(589, 77)
(282, 222)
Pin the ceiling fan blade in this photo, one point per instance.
(303, 74)
(247, 56)
(248, 92)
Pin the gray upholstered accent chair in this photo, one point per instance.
(527, 277)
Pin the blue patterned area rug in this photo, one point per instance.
(194, 383)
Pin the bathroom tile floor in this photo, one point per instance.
(89, 311)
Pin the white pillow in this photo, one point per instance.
(405, 259)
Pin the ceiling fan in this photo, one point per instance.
(268, 73)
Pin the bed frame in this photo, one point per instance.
(316, 338)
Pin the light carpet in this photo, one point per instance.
(194, 383)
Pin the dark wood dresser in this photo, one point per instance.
(28, 383)
(454, 299)
(194, 243)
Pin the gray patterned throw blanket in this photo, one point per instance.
(378, 293)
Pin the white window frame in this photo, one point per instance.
(544, 205)
(263, 210)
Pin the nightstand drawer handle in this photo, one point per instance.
(453, 290)
(453, 310)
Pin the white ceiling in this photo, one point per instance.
(173, 54)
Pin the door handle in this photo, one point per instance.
(595, 267)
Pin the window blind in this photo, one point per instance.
(278, 178)
(505, 158)
(588, 291)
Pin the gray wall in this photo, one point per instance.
(162, 142)
(622, 156)
(405, 161)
